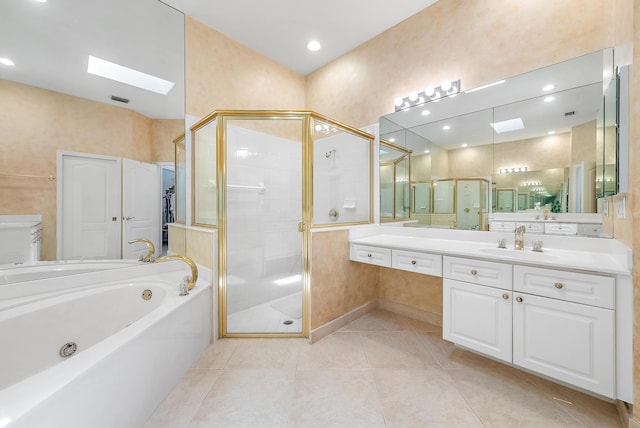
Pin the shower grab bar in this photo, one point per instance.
(261, 188)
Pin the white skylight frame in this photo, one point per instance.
(128, 76)
(508, 125)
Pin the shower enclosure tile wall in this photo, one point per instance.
(341, 179)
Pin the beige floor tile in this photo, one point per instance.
(450, 356)
(502, 398)
(337, 351)
(422, 398)
(217, 354)
(181, 405)
(266, 354)
(351, 327)
(396, 349)
(247, 398)
(335, 398)
(380, 320)
(589, 410)
(417, 325)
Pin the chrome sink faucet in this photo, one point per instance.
(519, 241)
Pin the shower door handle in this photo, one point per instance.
(301, 226)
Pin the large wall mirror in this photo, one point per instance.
(51, 102)
(543, 141)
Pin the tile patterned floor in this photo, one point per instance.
(382, 370)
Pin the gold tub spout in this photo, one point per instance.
(151, 249)
(194, 269)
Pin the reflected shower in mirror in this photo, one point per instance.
(542, 141)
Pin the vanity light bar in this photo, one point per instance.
(516, 169)
(446, 89)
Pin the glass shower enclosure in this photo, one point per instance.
(265, 180)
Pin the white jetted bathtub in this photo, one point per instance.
(99, 349)
(19, 272)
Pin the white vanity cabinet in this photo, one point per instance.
(372, 255)
(569, 335)
(476, 307)
(477, 317)
(414, 261)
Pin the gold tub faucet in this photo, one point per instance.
(190, 280)
(151, 249)
(519, 241)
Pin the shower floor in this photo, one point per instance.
(269, 317)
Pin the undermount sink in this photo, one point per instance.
(519, 254)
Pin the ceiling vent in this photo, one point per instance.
(569, 113)
(126, 101)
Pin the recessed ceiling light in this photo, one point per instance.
(392, 140)
(551, 132)
(6, 61)
(548, 87)
(41, 1)
(426, 112)
(446, 127)
(549, 99)
(507, 125)
(314, 45)
(427, 151)
(465, 145)
(129, 76)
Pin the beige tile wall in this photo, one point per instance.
(222, 74)
(338, 285)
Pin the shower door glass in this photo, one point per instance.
(264, 206)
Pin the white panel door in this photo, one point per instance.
(477, 317)
(89, 206)
(140, 207)
(567, 341)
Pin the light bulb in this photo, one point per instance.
(413, 96)
(398, 102)
(318, 128)
(429, 90)
(446, 85)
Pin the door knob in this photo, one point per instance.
(519, 299)
(505, 296)
(558, 285)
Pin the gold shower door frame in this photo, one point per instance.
(306, 222)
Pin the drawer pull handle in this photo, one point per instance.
(519, 299)
(474, 272)
(413, 262)
(369, 255)
(505, 296)
(558, 285)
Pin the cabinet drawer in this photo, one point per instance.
(576, 287)
(561, 228)
(372, 255)
(478, 272)
(589, 229)
(532, 227)
(503, 226)
(429, 264)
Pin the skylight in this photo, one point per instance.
(507, 125)
(129, 76)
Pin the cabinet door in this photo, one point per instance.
(478, 318)
(570, 342)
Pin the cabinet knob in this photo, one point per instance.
(413, 262)
(519, 299)
(474, 272)
(505, 296)
(558, 285)
(369, 255)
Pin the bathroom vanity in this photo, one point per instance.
(20, 236)
(564, 313)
